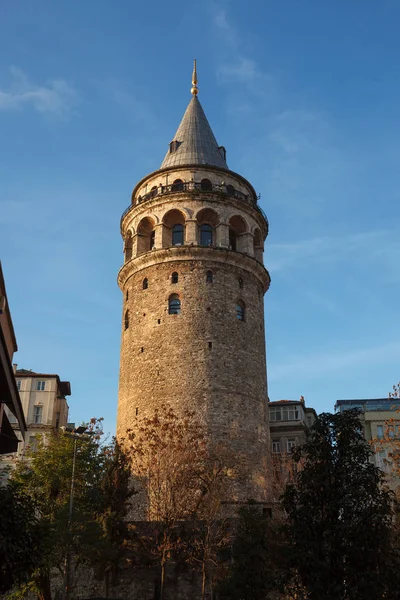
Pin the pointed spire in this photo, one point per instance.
(194, 142)
(195, 89)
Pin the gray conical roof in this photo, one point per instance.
(196, 142)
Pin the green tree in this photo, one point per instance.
(93, 526)
(257, 559)
(20, 540)
(112, 546)
(339, 515)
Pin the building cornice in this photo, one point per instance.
(189, 253)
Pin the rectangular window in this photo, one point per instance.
(290, 445)
(379, 430)
(40, 386)
(276, 447)
(37, 414)
(19, 385)
(32, 443)
(285, 413)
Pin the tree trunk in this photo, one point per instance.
(106, 582)
(44, 586)
(203, 581)
(162, 582)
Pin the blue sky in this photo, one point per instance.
(305, 97)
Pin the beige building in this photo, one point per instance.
(290, 421)
(10, 403)
(43, 398)
(193, 284)
(381, 418)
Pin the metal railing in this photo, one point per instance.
(196, 187)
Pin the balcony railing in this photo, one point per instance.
(196, 187)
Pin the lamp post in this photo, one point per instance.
(76, 434)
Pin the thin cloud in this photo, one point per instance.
(56, 97)
(315, 366)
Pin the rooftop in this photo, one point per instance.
(194, 142)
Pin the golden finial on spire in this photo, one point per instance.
(195, 89)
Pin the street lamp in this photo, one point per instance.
(76, 433)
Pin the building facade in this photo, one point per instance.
(44, 404)
(10, 403)
(193, 284)
(381, 419)
(290, 422)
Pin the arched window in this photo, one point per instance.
(145, 283)
(240, 310)
(232, 240)
(177, 234)
(230, 190)
(126, 319)
(174, 277)
(209, 277)
(174, 305)
(206, 185)
(128, 247)
(153, 191)
(126, 295)
(206, 235)
(146, 235)
(152, 239)
(177, 186)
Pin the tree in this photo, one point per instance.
(111, 546)
(20, 539)
(257, 559)
(339, 515)
(94, 523)
(177, 473)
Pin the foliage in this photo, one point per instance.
(339, 514)
(94, 524)
(20, 542)
(111, 546)
(257, 557)
(178, 475)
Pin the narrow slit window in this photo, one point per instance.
(145, 283)
(209, 277)
(126, 319)
(174, 277)
(174, 305)
(240, 311)
(152, 239)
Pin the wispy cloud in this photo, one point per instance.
(320, 364)
(375, 248)
(56, 97)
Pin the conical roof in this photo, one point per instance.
(194, 142)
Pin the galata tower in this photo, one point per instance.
(193, 284)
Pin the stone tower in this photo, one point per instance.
(193, 284)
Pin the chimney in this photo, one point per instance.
(15, 367)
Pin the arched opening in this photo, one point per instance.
(153, 191)
(126, 319)
(174, 277)
(240, 310)
(230, 190)
(237, 227)
(207, 220)
(177, 186)
(209, 277)
(206, 185)
(128, 246)
(258, 246)
(146, 235)
(173, 233)
(174, 305)
(145, 283)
